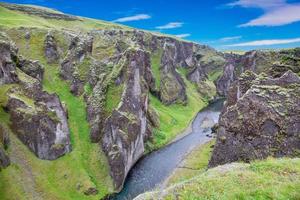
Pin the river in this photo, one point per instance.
(153, 169)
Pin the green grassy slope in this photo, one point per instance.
(10, 18)
(69, 176)
(174, 119)
(269, 179)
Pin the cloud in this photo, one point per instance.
(227, 39)
(133, 18)
(170, 25)
(264, 4)
(276, 12)
(183, 35)
(278, 17)
(265, 42)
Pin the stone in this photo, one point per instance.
(262, 121)
(91, 191)
(125, 130)
(8, 55)
(51, 49)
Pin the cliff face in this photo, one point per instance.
(260, 119)
(113, 71)
(37, 118)
(274, 63)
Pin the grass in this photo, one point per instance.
(113, 97)
(174, 119)
(193, 164)
(268, 179)
(215, 75)
(67, 177)
(9, 18)
(155, 64)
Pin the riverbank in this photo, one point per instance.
(265, 179)
(193, 164)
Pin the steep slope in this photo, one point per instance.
(268, 179)
(261, 114)
(273, 62)
(122, 91)
(261, 119)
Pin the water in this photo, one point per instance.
(153, 169)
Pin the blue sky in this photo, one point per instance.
(223, 24)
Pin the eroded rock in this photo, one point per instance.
(40, 124)
(8, 55)
(261, 120)
(172, 86)
(124, 130)
(37, 117)
(4, 142)
(51, 49)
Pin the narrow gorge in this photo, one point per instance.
(85, 103)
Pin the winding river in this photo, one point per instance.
(153, 169)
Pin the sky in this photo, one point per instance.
(222, 24)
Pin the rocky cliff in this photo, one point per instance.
(37, 117)
(260, 119)
(271, 62)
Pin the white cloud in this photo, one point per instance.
(276, 12)
(281, 16)
(265, 42)
(170, 25)
(183, 35)
(227, 39)
(133, 18)
(264, 4)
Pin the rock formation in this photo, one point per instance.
(274, 63)
(38, 118)
(126, 128)
(261, 119)
(4, 142)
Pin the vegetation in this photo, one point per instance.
(193, 164)
(155, 64)
(174, 119)
(268, 179)
(9, 18)
(113, 97)
(69, 176)
(215, 75)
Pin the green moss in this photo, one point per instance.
(113, 97)
(155, 64)
(3, 93)
(215, 75)
(88, 89)
(82, 69)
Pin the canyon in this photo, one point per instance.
(82, 101)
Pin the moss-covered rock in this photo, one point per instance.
(261, 119)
